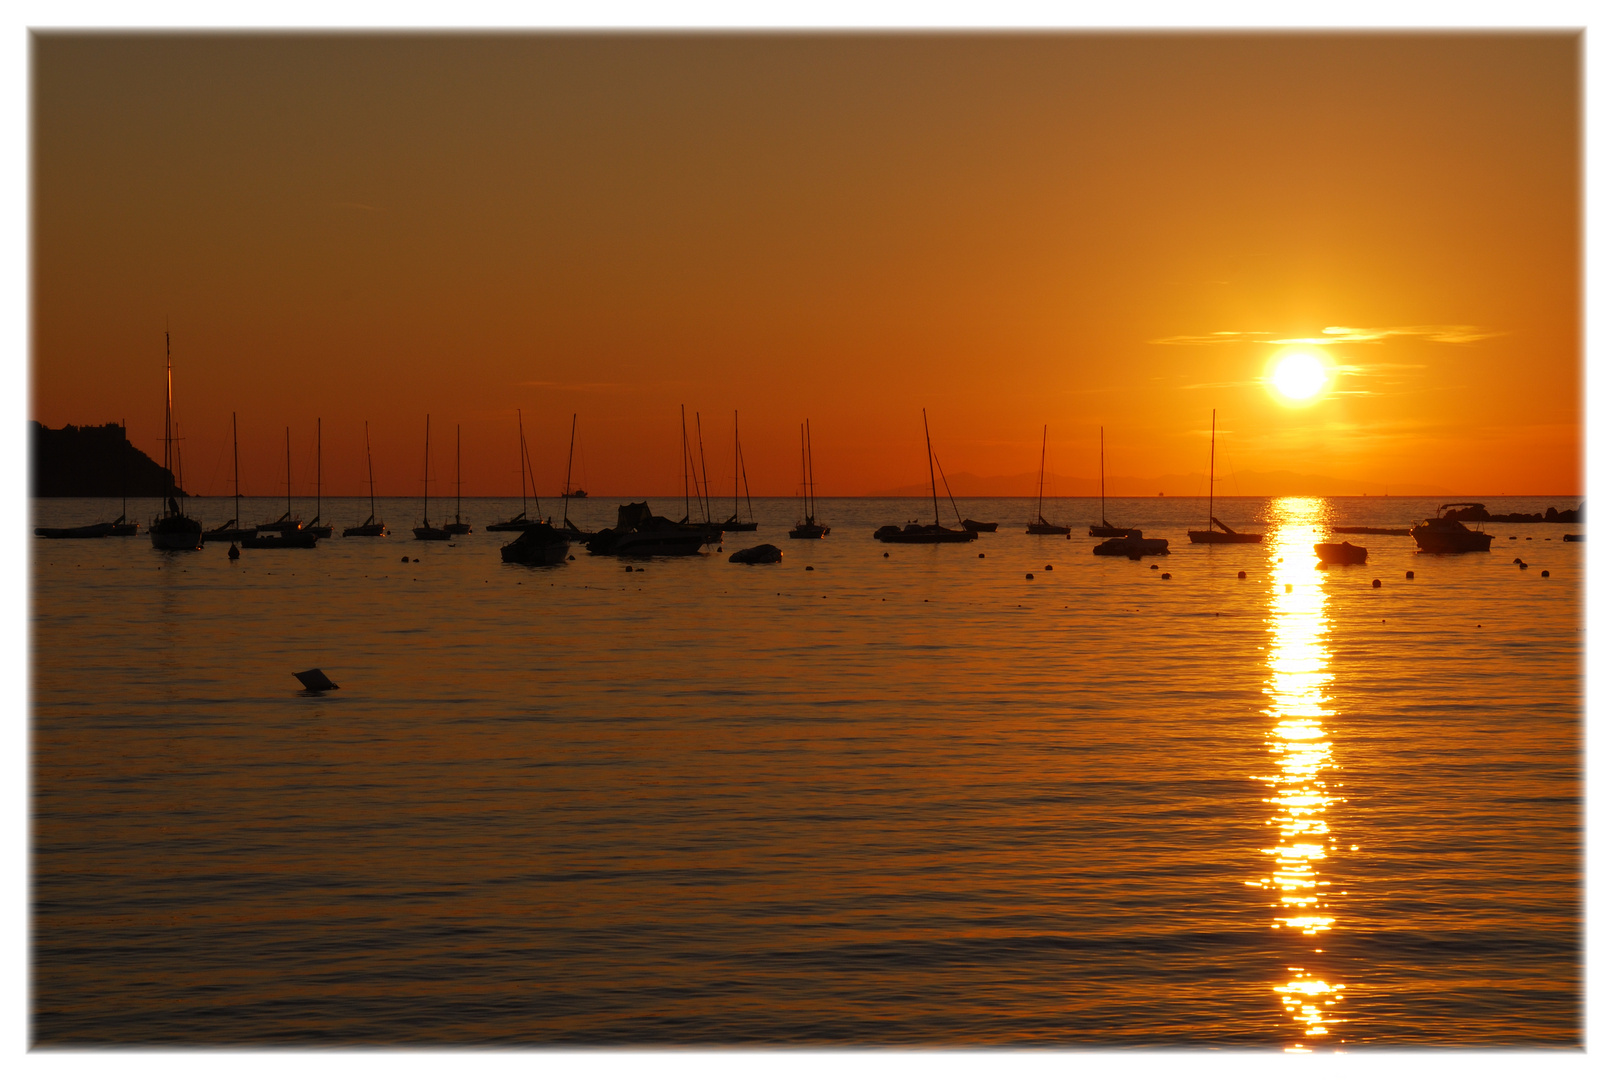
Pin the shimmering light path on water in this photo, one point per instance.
(892, 800)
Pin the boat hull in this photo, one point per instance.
(812, 531)
(427, 532)
(302, 538)
(979, 526)
(515, 524)
(924, 534)
(1133, 547)
(221, 535)
(81, 532)
(759, 555)
(1341, 554)
(733, 525)
(1042, 528)
(646, 544)
(365, 530)
(538, 545)
(1209, 536)
(177, 533)
(1437, 541)
(457, 528)
(1107, 530)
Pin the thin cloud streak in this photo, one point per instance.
(1453, 334)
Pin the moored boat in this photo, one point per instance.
(1105, 529)
(285, 523)
(1446, 535)
(78, 532)
(520, 523)
(299, 538)
(370, 526)
(639, 532)
(458, 526)
(759, 555)
(1344, 554)
(1133, 545)
(1226, 535)
(232, 529)
(979, 526)
(426, 530)
(935, 532)
(319, 530)
(808, 528)
(1041, 526)
(173, 530)
(734, 524)
(540, 544)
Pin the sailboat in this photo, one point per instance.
(425, 530)
(172, 530)
(321, 531)
(232, 529)
(709, 530)
(705, 480)
(733, 524)
(456, 527)
(967, 523)
(1226, 535)
(1041, 526)
(1105, 529)
(371, 527)
(808, 528)
(935, 533)
(571, 531)
(285, 522)
(519, 522)
(291, 534)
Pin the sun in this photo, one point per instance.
(1299, 375)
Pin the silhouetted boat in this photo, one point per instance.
(541, 544)
(371, 527)
(1041, 526)
(1371, 529)
(425, 530)
(639, 532)
(979, 526)
(122, 526)
(1226, 535)
(758, 555)
(734, 524)
(78, 532)
(578, 494)
(1345, 554)
(1446, 535)
(703, 479)
(456, 527)
(323, 532)
(1573, 538)
(301, 538)
(285, 523)
(808, 528)
(571, 531)
(1133, 545)
(519, 522)
(1105, 529)
(172, 531)
(231, 529)
(934, 533)
(968, 526)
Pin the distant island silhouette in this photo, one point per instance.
(91, 462)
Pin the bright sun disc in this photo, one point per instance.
(1299, 375)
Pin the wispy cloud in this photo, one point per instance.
(1453, 334)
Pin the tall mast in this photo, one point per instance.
(1103, 508)
(319, 466)
(1212, 469)
(929, 455)
(749, 512)
(736, 464)
(1041, 477)
(705, 480)
(456, 474)
(288, 472)
(812, 487)
(370, 464)
(235, 444)
(521, 428)
(168, 418)
(805, 513)
(683, 419)
(425, 499)
(565, 512)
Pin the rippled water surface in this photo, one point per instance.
(908, 796)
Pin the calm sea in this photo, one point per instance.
(872, 795)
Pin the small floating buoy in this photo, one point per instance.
(1512, 538)
(1545, 573)
(235, 552)
(404, 559)
(417, 560)
(809, 568)
(1376, 584)
(1288, 588)
(1030, 577)
(638, 569)
(1528, 538)
(1151, 566)
(1242, 575)
(569, 558)
(1049, 566)
(1523, 566)
(1516, 560)
(1165, 576)
(888, 554)
(629, 569)
(719, 548)
(1279, 560)
(1410, 574)
(982, 555)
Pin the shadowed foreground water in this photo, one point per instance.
(906, 800)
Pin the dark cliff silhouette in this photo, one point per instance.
(91, 462)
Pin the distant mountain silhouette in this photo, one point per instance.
(92, 462)
(1122, 487)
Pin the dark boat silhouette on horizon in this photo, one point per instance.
(287, 532)
(520, 523)
(808, 528)
(1343, 554)
(173, 530)
(639, 532)
(1227, 534)
(540, 544)
(1444, 534)
(1104, 529)
(1041, 526)
(458, 526)
(425, 530)
(934, 533)
(734, 524)
(1133, 545)
(370, 527)
(232, 529)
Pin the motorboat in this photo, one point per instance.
(639, 532)
(1444, 534)
(1345, 554)
(979, 526)
(1133, 545)
(760, 554)
(540, 545)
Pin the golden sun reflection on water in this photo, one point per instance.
(1297, 692)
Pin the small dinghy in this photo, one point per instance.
(1133, 545)
(979, 526)
(1345, 554)
(761, 553)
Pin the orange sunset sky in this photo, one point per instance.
(1010, 230)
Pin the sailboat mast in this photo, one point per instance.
(805, 513)
(736, 464)
(1041, 477)
(1212, 469)
(1103, 504)
(370, 465)
(565, 511)
(425, 498)
(235, 446)
(812, 485)
(705, 479)
(168, 418)
(288, 472)
(683, 418)
(929, 454)
(456, 474)
(319, 466)
(521, 429)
